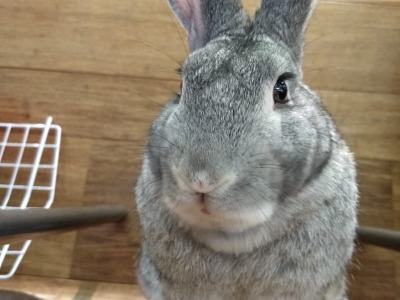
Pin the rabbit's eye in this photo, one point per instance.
(280, 92)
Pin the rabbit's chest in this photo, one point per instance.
(186, 265)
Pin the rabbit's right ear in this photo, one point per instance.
(284, 21)
(205, 20)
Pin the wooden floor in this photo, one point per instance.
(99, 66)
(66, 289)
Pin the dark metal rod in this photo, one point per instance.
(14, 223)
(17, 225)
(379, 237)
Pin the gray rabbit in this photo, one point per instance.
(247, 191)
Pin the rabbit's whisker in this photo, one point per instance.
(177, 30)
(161, 147)
(267, 167)
(151, 45)
(263, 153)
(144, 97)
(167, 141)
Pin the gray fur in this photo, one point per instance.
(283, 220)
(206, 20)
(284, 20)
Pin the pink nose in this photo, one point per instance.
(202, 186)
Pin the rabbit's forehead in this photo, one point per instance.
(263, 60)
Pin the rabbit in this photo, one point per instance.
(247, 189)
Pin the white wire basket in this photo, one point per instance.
(28, 172)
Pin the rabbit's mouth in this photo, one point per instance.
(204, 210)
(203, 204)
(235, 231)
(209, 216)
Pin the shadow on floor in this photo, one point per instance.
(10, 295)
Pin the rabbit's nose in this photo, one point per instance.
(199, 182)
(202, 183)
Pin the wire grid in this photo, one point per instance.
(33, 168)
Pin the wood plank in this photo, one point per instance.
(345, 51)
(368, 122)
(61, 289)
(374, 273)
(111, 180)
(375, 184)
(86, 106)
(374, 148)
(398, 278)
(394, 3)
(42, 255)
(372, 279)
(125, 38)
(396, 189)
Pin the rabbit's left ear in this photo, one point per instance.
(205, 20)
(285, 21)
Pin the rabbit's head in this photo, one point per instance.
(244, 133)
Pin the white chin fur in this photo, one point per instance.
(225, 232)
(232, 244)
(232, 222)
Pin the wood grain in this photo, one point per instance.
(128, 38)
(396, 188)
(394, 3)
(87, 106)
(61, 289)
(107, 37)
(368, 121)
(97, 246)
(103, 69)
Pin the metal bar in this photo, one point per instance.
(18, 260)
(13, 252)
(23, 125)
(28, 145)
(379, 237)
(56, 154)
(3, 254)
(5, 139)
(17, 225)
(36, 163)
(13, 165)
(16, 169)
(24, 187)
